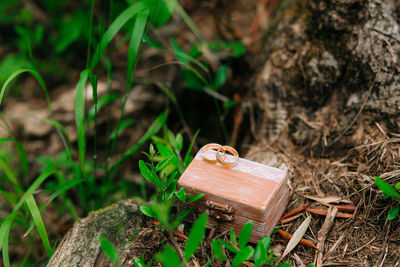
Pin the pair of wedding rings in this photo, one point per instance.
(220, 156)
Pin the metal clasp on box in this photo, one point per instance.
(220, 212)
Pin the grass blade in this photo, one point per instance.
(103, 101)
(108, 249)
(80, 116)
(120, 127)
(63, 134)
(38, 78)
(195, 236)
(10, 175)
(4, 232)
(137, 37)
(153, 129)
(37, 218)
(117, 24)
(5, 226)
(21, 151)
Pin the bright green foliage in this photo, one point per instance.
(386, 188)
(169, 257)
(243, 255)
(217, 250)
(245, 234)
(72, 171)
(261, 251)
(244, 251)
(108, 249)
(393, 212)
(163, 170)
(390, 191)
(195, 236)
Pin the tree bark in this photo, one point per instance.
(123, 224)
(329, 65)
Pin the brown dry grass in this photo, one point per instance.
(368, 238)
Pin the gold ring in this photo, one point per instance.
(211, 146)
(222, 161)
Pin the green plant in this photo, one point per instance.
(169, 256)
(165, 167)
(242, 250)
(389, 191)
(71, 179)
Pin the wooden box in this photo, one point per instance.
(233, 196)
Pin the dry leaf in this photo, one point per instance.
(328, 199)
(297, 236)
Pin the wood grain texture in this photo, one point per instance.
(257, 192)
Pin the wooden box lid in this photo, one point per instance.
(249, 187)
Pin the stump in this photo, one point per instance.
(122, 223)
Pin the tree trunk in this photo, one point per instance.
(329, 65)
(123, 224)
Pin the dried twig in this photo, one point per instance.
(323, 233)
(286, 220)
(295, 211)
(347, 208)
(325, 212)
(303, 241)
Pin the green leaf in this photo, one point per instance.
(37, 218)
(103, 101)
(244, 254)
(285, 264)
(80, 116)
(261, 252)
(144, 170)
(195, 236)
(21, 152)
(179, 142)
(147, 210)
(220, 77)
(229, 246)
(164, 163)
(386, 188)
(153, 129)
(4, 233)
(186, 58)
(266, 241)
(138, 32)
(115, 26)
(108, 249)
(35, 74)
(120, 127)
(181, 194)
(139, 262)
(237, 48)
(217, 250)
(245, 234)
(393, 212)
(397, 186)
(195, 198)
(184, 213)
(233, 236)
(186, 160)
(161, 10)
(6, 224)
(10, 176)
(193, 79)
(169, 257)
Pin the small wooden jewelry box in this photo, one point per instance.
(248, 191)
